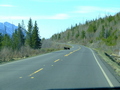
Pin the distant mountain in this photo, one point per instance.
(8, 28)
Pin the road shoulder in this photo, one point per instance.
(108, 66)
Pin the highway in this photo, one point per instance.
(79, 67)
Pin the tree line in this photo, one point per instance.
(22, 37)
(100, 32)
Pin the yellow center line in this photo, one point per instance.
(57, 60)
(32, 77)
(73, 51)
(66, 55)
(36, 71)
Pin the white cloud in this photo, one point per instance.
(6, 5)
(57, 16)
(89, 9)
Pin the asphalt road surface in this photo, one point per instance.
(76, 68)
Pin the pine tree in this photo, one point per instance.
(77, 34)
(59, 36)
(68, 35)
(29, 33)
(83, 34)
(102, 33)
(72, 32)
(0, 40)
(15, 40)
(22, 25)
(20, 36)
(6, 41)
(36, 41)
(92, 28)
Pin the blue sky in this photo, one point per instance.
(54, 16)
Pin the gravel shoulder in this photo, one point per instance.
(112, 67)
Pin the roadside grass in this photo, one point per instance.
(113, 64)
(7, 54)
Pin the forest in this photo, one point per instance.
(19, 41)
(101, 33)
(25, 44)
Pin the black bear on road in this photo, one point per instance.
(66, 48)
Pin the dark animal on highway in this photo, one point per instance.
(66, 48)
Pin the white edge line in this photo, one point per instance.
(108, 80)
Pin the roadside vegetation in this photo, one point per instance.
(102, 34)
(25, 44)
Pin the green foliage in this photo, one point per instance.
(111, 40)
(15, 40)
(30, 26)
(102, 20)
(1, 40)
(68, 35)
(110, 18)
(91, 41)
(29, 33)
(22, 25)
(78, 34)
(54, 37)
(72, 32)
(98, 31)
(59, 36)
(83, 34)
(92, 28)
(102, 33)
(105, 33)
(36, 41)
(6, 41)
(86, 22)
(18, 38)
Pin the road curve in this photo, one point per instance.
(76, 68)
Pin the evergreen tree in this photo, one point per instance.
(102, 33)
(83, 34)
(59, 36)
(36, 41)
(68, 35)
(92, 28)
(77, 34)
(29, 33)
(0, 40)
(20, 36)
(22, 25)
(15, 40)
(55, 36)
(72, 32)
(6, 41)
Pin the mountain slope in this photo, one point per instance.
(102, 33)
(7, 28)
